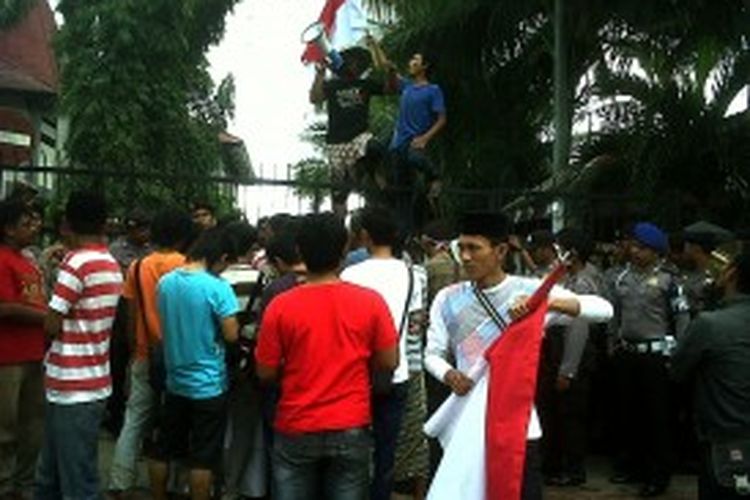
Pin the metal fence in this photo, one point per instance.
(601, 215)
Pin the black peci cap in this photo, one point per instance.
(491, 225)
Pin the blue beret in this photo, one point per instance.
(652, 236)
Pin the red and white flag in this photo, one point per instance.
(344, 22)
(514, 363)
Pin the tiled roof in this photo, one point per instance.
(27, 59)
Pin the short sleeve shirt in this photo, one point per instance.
(20, 283)
(86, 294)
(348, 104)
(321, 337)
(151, 269)
(192, 305)
(419, 109)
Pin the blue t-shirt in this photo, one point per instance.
(418, 111)
(191, 307)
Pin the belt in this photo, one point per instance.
(663, 346)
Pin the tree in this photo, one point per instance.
(667, 129)
(12, 11)
(497, 70)
(140, 100)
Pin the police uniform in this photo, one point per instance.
(701, 290)
(567, 352)
(652, 311)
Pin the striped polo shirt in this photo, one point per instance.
(86, 294)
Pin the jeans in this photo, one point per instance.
(331, 465)
(387, 412)
(21, 424)
(412, 173)
(139, 414)
(68, 465)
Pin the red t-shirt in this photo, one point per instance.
(21, 282)
(322, 338)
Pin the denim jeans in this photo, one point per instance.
(139, 414)
(331, 465)
(412, 173)
(387, 413)
(68, 465)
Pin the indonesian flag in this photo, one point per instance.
(514, 361)
(345, 23)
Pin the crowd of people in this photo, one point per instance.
(314, 376)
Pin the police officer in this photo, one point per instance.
(703, 267)
(565, 372)
(652, 311)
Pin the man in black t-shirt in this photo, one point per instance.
(347, 97)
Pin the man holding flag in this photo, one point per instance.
(489, 428)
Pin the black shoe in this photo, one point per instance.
(623, 478)
(563, 480)
(652, 490)
(576, 480)
(556, 480)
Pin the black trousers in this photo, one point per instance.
(531, 488)
(437, 393)
(644, 423)
(563, 415)
(119, 359)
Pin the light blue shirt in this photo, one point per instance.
(192, 305)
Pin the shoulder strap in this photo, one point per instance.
(139, 294)
(488, 307)
(409, 291)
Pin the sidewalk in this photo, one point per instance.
(597, 487)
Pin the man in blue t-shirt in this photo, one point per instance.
(198, 312)
(421, 117)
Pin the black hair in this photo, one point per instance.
(357, 60)
(380, 224)
(216, 242)
(321, 241)
(440, 230)
(243, 236)
(355, 222)
(283, 245)
(278, 222)
(541, 238)
(742, 264)
(429, 59)
(11, 212)
(576, 241)
(173, 228)
(86, 213)
(202, 205)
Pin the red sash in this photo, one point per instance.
(514, 361)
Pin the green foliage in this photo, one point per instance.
(311, 175)
(13, 11)
(669, 137)
(140, 100)
(495, 65)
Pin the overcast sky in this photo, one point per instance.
(262, 49)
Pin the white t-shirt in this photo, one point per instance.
(389, 278)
